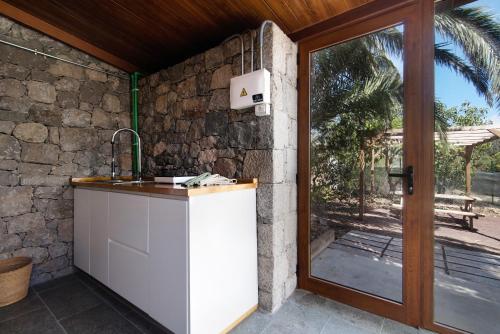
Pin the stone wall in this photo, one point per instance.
(56, 121)
(187, 127)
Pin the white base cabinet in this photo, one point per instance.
(189, 262)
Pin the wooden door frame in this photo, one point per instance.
(427, 154)
(418, 16)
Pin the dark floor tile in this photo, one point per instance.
(86, 278)
(69, 299)
(99, 319)
(146, 324)
(29, 304)
(36, 322)
(117, 302)
(58, 282)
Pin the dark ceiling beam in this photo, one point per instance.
(65, 37)
(365, 11)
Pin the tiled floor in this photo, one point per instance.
(74, 304)
(79, 304)
(306, 313)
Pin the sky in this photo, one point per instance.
(450, 88)
(453, 89)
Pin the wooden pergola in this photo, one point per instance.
(466, 136)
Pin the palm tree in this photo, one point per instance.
(477, 34)
(474, 30)
(357, 92)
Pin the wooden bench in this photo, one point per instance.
(465, 215)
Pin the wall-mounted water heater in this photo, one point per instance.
(252, 89)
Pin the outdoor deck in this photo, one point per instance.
(467, 283)
(485, 237)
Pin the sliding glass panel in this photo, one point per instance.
(467, 166)
(356, 142)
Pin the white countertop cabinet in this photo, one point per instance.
(189, 262)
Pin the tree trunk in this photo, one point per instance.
(468, 169)
(372, 172)
(388, 169)
(361, 195)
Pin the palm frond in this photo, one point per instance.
(389, 40)
(477, 33)
(441, 125)
(445, 57)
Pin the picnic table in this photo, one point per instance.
(465, 212)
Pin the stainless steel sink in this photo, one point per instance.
(109, 181)
(118, 181)
(136, 182)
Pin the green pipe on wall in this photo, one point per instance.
(134, 100)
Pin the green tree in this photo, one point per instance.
(449, 159)
(356, 92)
(356, 95)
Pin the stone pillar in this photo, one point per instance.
(277, 193)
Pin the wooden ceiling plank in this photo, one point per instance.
(72, 40)
(274, 16)
(71, 16)
(114, 39)
(351, 16)
(155, 34)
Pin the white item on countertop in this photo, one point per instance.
(216, 180)
(173, 179)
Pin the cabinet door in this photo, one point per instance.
(99, 236)
(222, 259)
(82, 218)
(128, 274)
(128, 220)
(168, 263)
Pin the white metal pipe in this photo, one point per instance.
(36, 52)
(262, 26)
(242, 50)
(251, 48)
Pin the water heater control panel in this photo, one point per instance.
(252, 89)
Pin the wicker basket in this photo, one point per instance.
(14, 279)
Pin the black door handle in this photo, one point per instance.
(409, 178)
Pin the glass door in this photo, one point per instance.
(357, 163)
(360, 163)
(466, 224)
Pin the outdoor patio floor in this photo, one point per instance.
(467, 284)
(486, 235)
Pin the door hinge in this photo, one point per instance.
(298, 83)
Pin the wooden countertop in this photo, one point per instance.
(160, 188)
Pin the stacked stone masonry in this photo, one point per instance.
(56, 121)
(188, 128)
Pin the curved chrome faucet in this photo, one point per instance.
(137, 177)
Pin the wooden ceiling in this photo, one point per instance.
(153, 34)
